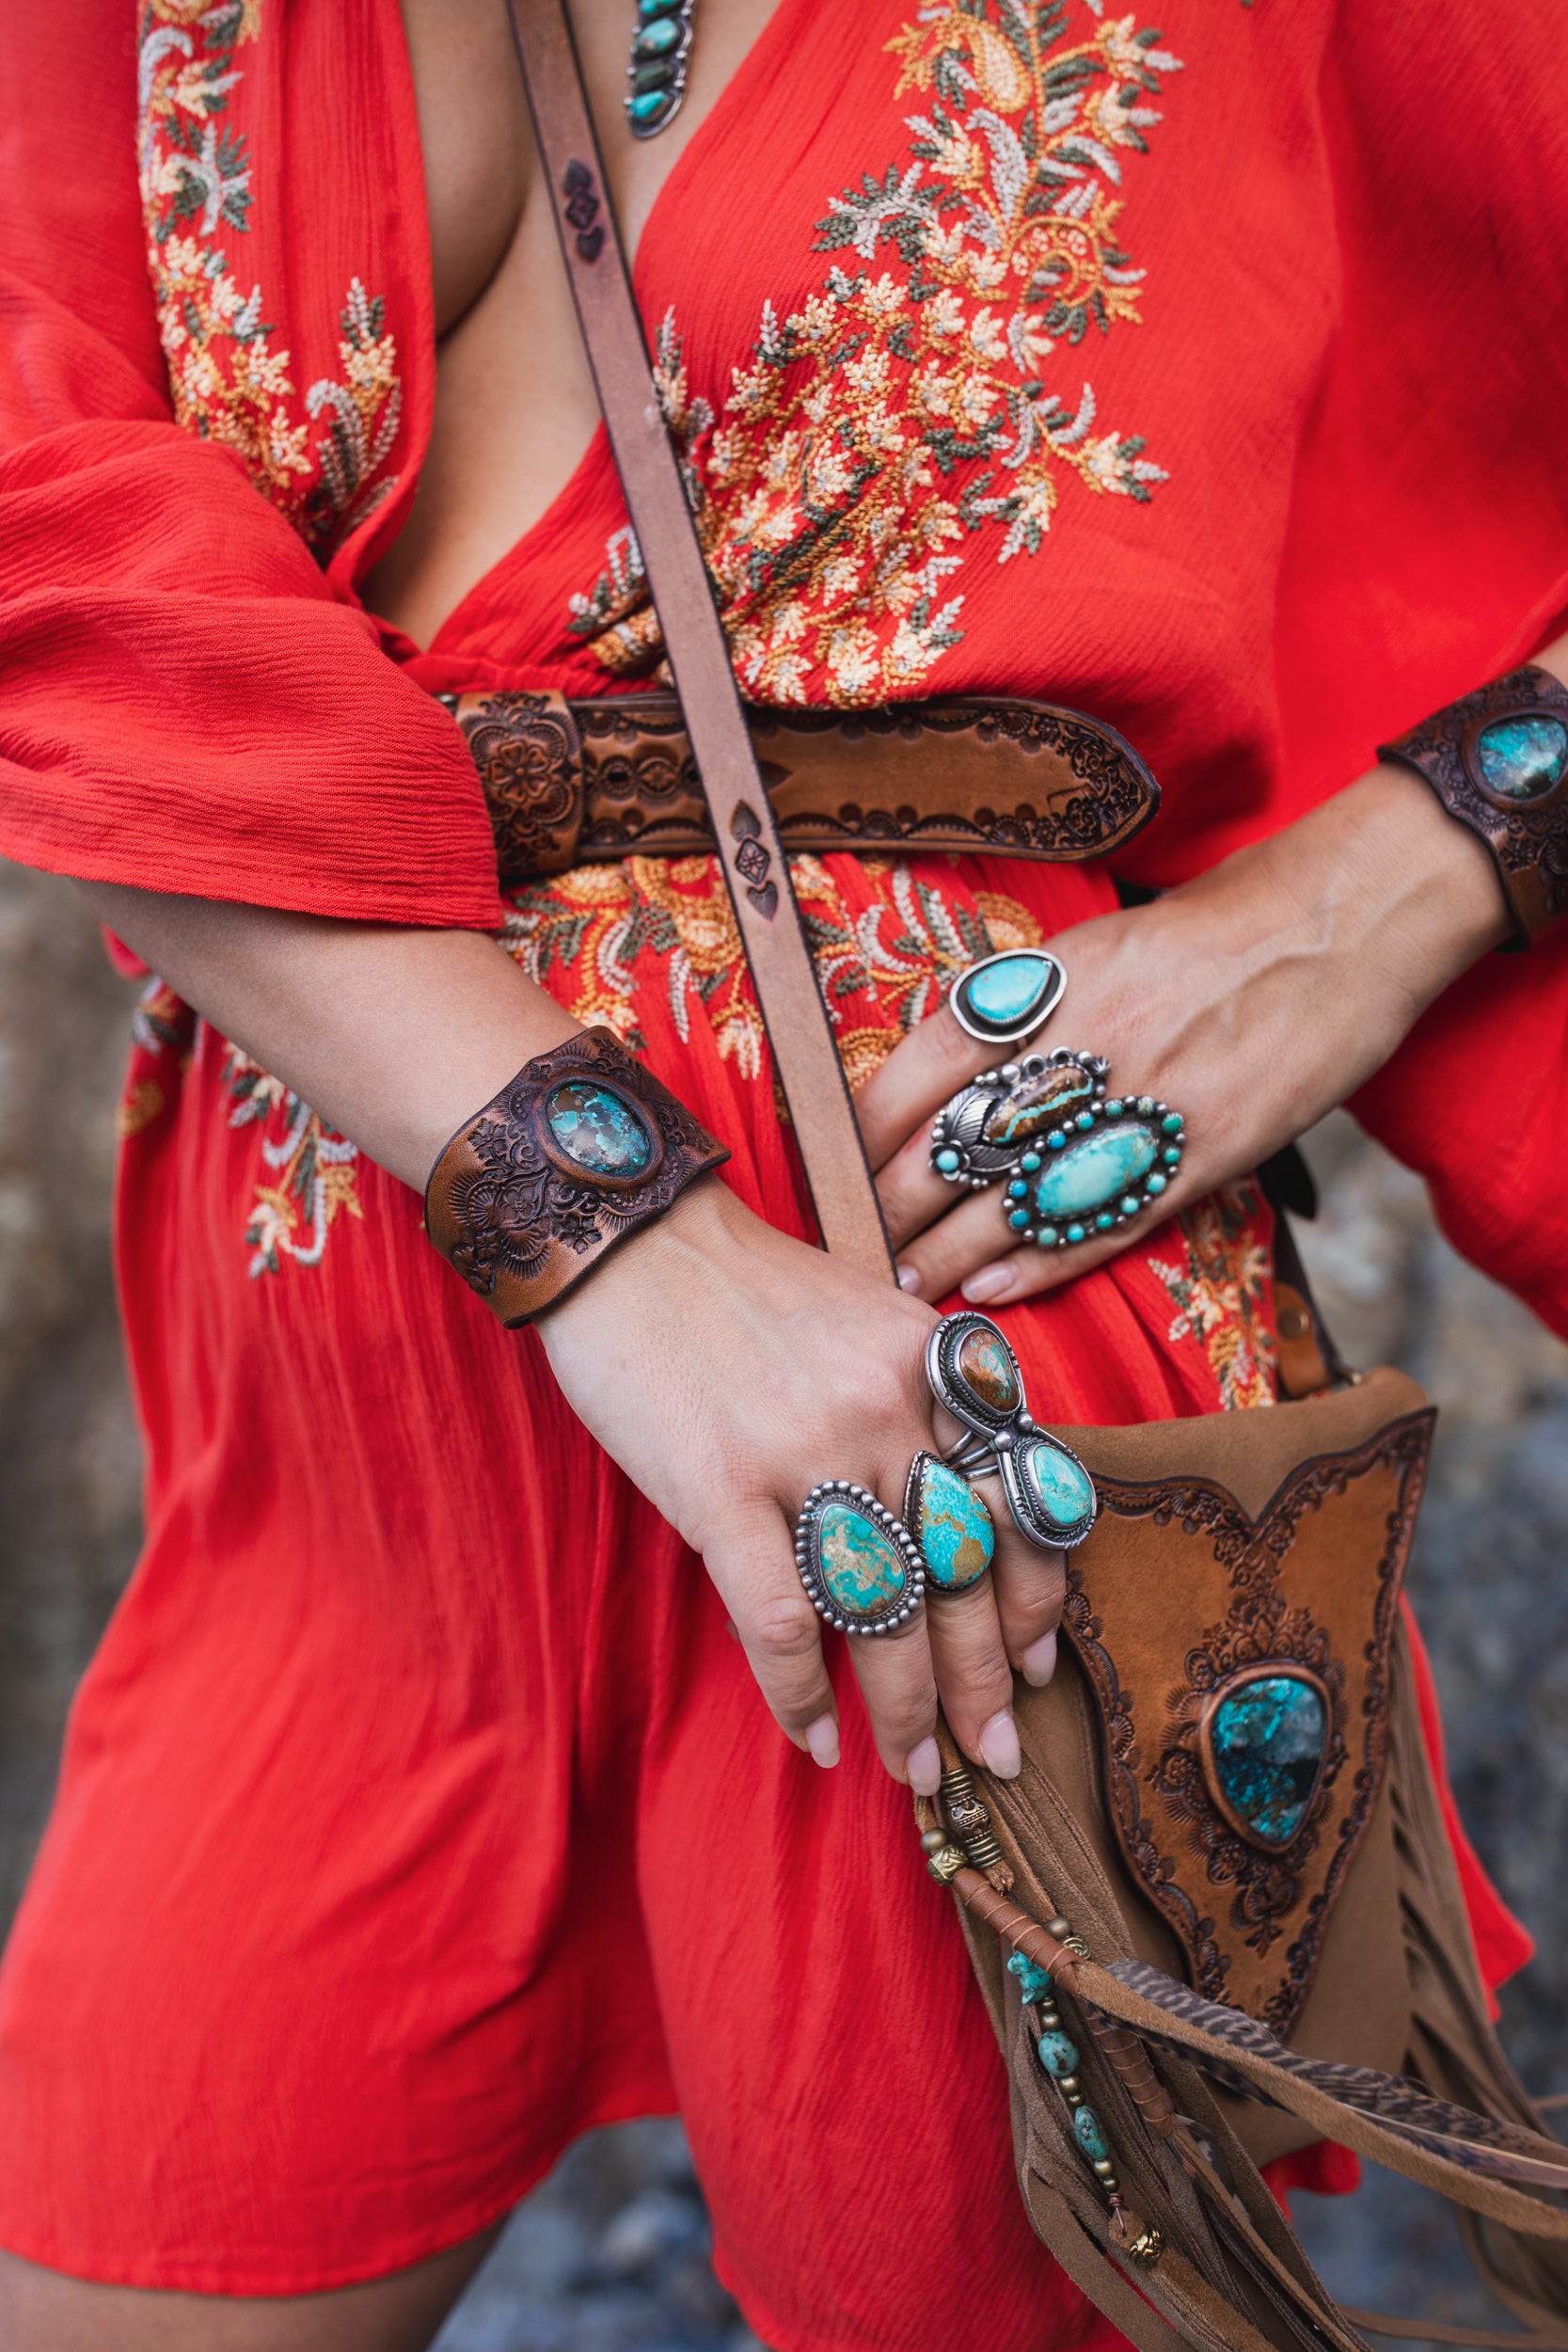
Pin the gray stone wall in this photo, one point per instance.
(610, 2254)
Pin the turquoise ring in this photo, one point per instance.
(861, 1568)
(1005, 998)
(972, 1372)
(1074, 1160)
(950, 1523)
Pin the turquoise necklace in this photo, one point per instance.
(661, 53)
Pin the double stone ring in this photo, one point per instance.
(867, 1572)
(1075, 1159)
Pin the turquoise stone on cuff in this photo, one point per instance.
(1520, 758)
(1005, 994)
(860, 1567)
(655, 40)
(955, 1529)
(597, 1130)
(1089, 2132)
(1058, 2056)
(1088, 1173)
(1266, 1743)
(1060, 1486)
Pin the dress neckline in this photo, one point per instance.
(760, 63)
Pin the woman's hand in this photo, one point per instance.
(1252, 1000)
(728, 1369)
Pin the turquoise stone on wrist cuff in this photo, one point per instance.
(1521, 757)
(1006, 997)
(598, 1131)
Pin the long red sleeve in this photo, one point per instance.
(184, 701)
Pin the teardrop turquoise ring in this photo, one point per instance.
(1077, 1160)
(973, 1373)
(1005, 998)
(863, 1570)
(951, 1524)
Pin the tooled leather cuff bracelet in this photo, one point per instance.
(1497, 759)
(574, 1152)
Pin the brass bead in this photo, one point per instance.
(1105, 2169)
(945, 1863)
(933, 1841)
(1147, 2248)
(1068, 2085)
(1058, 1928)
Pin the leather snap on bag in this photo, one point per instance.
(1247, 1942)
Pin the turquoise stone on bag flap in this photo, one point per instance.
(1522, 758)
(1267, 1739)
(1036, 1104)
(860, 1567)
(1004, 994)
(1059, 1483)
(955, 1529)
(597, 1130)
(1058, 2056)
(985, 1366)
(1088, 1174)
(1089, 2132)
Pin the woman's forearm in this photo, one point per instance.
(395, 1035)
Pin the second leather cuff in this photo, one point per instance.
(578, 1150)
(1497, 759)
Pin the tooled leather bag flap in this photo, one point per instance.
(1232, 1611)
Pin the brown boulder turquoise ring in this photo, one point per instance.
(1075, 1159)
(975, 1373)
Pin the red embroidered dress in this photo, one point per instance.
(418, 1811)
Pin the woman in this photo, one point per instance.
(426, 1805)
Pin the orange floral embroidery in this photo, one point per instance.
(900, 411)
(1221, 1292)
(596, 938)
(229, 382)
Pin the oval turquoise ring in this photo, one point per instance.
(1005, 997)
(861, 1568)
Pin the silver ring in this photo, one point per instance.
(973, 1373)
(950, 1523)
(1000, 1119)
(861, 1568)
(1005, 998)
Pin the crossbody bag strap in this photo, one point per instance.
(756, 868)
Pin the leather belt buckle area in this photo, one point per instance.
(590, 780)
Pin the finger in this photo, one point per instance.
(1030, 1586)
(916, 1079)
(898, 1683)
(912, 1195)
(751, 1562)
(974, 1677)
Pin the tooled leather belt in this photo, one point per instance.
(576, 783)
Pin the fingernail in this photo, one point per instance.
(924, 1767)
(822, 1739)
(907, 1278)
(1038, 1661)
(993, 1281)
(999, 1748)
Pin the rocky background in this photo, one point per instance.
(611, 2255)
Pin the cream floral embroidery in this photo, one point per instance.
(883, 970)
(1221, 1294)
(228, 381)
(904, 408)
(314, 1170)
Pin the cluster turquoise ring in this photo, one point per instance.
(1074, 1159)
(975, 1373)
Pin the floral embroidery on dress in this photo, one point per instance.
(586, 935)
(1221, 1290)
(314, 1169)
(899, 411)
(229, 382)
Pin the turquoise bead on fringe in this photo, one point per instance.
(1089, 2132)
(597, 1130)
(1266, 1744)
(1033, 1983)
(1522, 758)
(1058, 2056)
(955, 1533)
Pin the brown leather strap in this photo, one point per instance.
(1440, 2332)
(753, 857)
